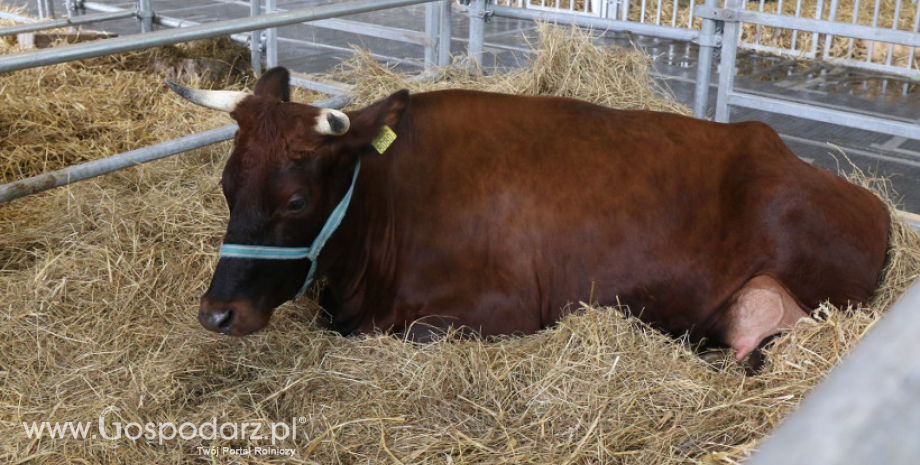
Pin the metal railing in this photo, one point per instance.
(264, 43)
(32, 59)
(732, 17)
(875, 55)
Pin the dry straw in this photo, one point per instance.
(100, 283)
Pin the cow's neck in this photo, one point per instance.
(358, 251)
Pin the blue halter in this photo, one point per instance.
(263, 252)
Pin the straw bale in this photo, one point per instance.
(100, 283)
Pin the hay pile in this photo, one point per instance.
(103, 106)
(565, 64)
(100, 283)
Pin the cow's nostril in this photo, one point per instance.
(217, 321)
(224, 323)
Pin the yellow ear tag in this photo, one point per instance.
(384, 139)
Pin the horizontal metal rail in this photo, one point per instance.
(215, 29)
(66, 22)
(909, 73)
(377, 31)
(362, 28)
(866, 410)
(91, 169)
(17, 18)
(812, 112)
(651, 30)
(242, 38)
(818, 26)
(326, 87)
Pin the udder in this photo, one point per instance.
(762, 307)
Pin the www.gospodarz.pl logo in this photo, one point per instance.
(255, 431)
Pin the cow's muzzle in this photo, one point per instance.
(231, 318)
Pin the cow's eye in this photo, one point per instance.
(296, 204)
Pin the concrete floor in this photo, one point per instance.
(675, 62)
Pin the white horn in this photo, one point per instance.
(332, 123)
(223, 100)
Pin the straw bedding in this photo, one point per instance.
(100, 283)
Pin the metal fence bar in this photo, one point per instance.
(374, 30)
(798, 13)
(894, 25)
(102, 166)
(91, 169)
(17, 18)
(600, 24)
(909, 73)
(432, 32)
(242, 38)
(215, 29)
(878, 4)
(854, 21)
(913, 50)
(64, 22)
(255, 39)
(829, 39)
(327, 87)
(477, 14)
(814, 37)
(730, 35)
(145, 13)
(866, 410)
(271, 37)
(708, 44)
(45, 9)
(445, 31)
(812, 25)
(812, 112)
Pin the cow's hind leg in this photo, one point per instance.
(761, 308)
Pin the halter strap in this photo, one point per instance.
(265, 252)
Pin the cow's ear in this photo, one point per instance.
(393, 108)
(367, 123)
(275, 83)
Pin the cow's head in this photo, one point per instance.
(291, 165)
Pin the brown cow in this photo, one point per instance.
(495, 212)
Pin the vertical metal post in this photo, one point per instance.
(444, 33)
(255, 39)
(49, 8)
(271, 38)
(829, 39)
(727, 64)
(814, 35)
(432, 25)
(708, 42)
(145, 13)
(71, 7)
(45, 9)
(477, 12)
(72, 11)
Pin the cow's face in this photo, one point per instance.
(291, 165)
